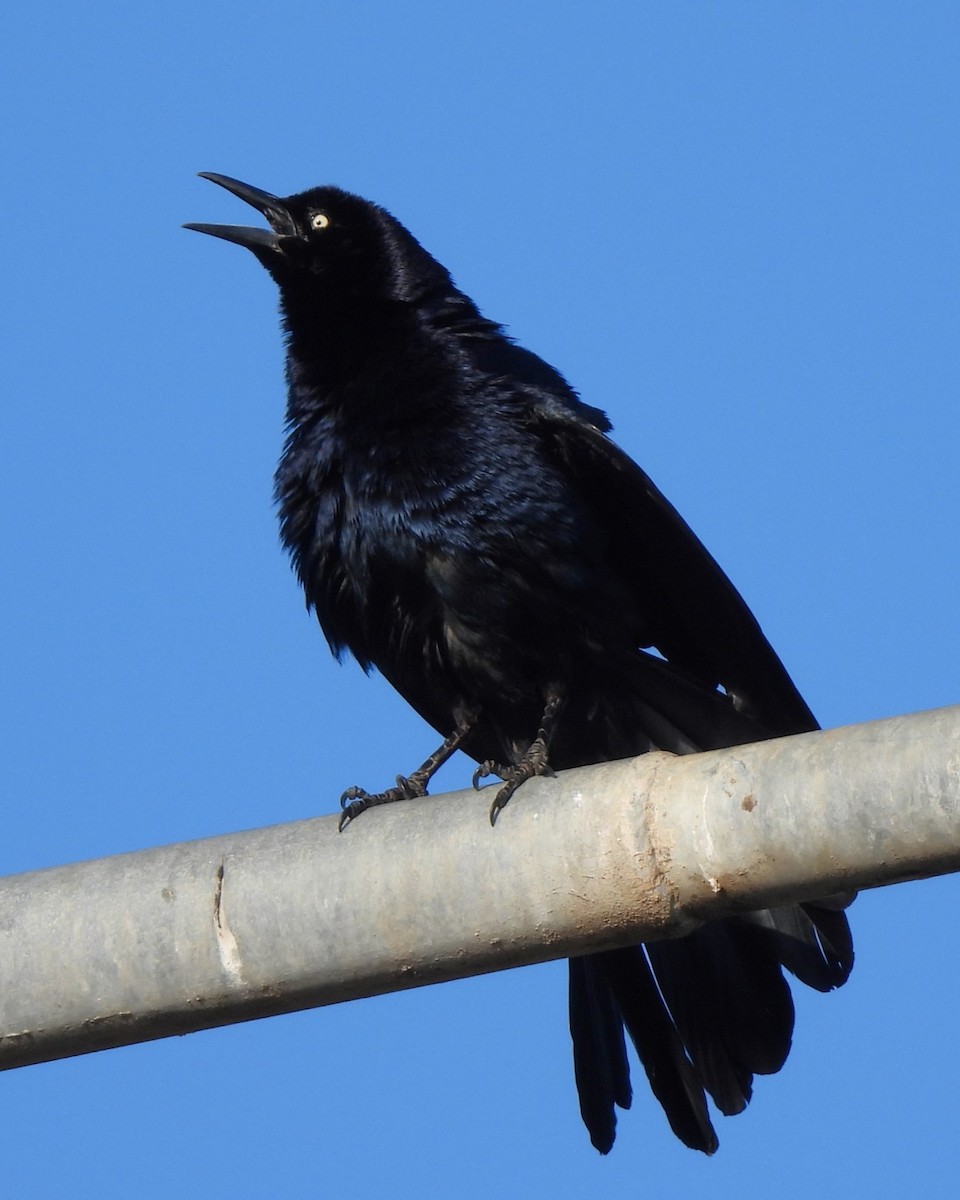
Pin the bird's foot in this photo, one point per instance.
(534, 762)
(356, 800)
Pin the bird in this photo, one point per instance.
(462, 522)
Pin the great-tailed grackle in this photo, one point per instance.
(460, 520)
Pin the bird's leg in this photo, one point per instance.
(535, 760)
(355, 800)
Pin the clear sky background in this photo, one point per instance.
(732, 225)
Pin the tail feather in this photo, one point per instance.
(626, 975)
(731, 1004)
(599, 1053)
(811, 940)
(705, 1012)
(708, 1011)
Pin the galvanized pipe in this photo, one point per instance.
(205, 933)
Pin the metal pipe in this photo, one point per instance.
(205, 933)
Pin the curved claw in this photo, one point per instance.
(353, 801)
(489, 768)
(351, 811)
(513, 777)
(500, 800)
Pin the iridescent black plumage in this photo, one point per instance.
(460, 520)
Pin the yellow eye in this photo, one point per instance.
(319, 220)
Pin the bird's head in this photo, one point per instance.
(328, 241)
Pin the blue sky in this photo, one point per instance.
(734, 227)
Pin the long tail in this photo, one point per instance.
(705, 1012)
(708, 1011)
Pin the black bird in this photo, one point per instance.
(460, 520)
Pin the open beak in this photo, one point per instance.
(257, 240)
